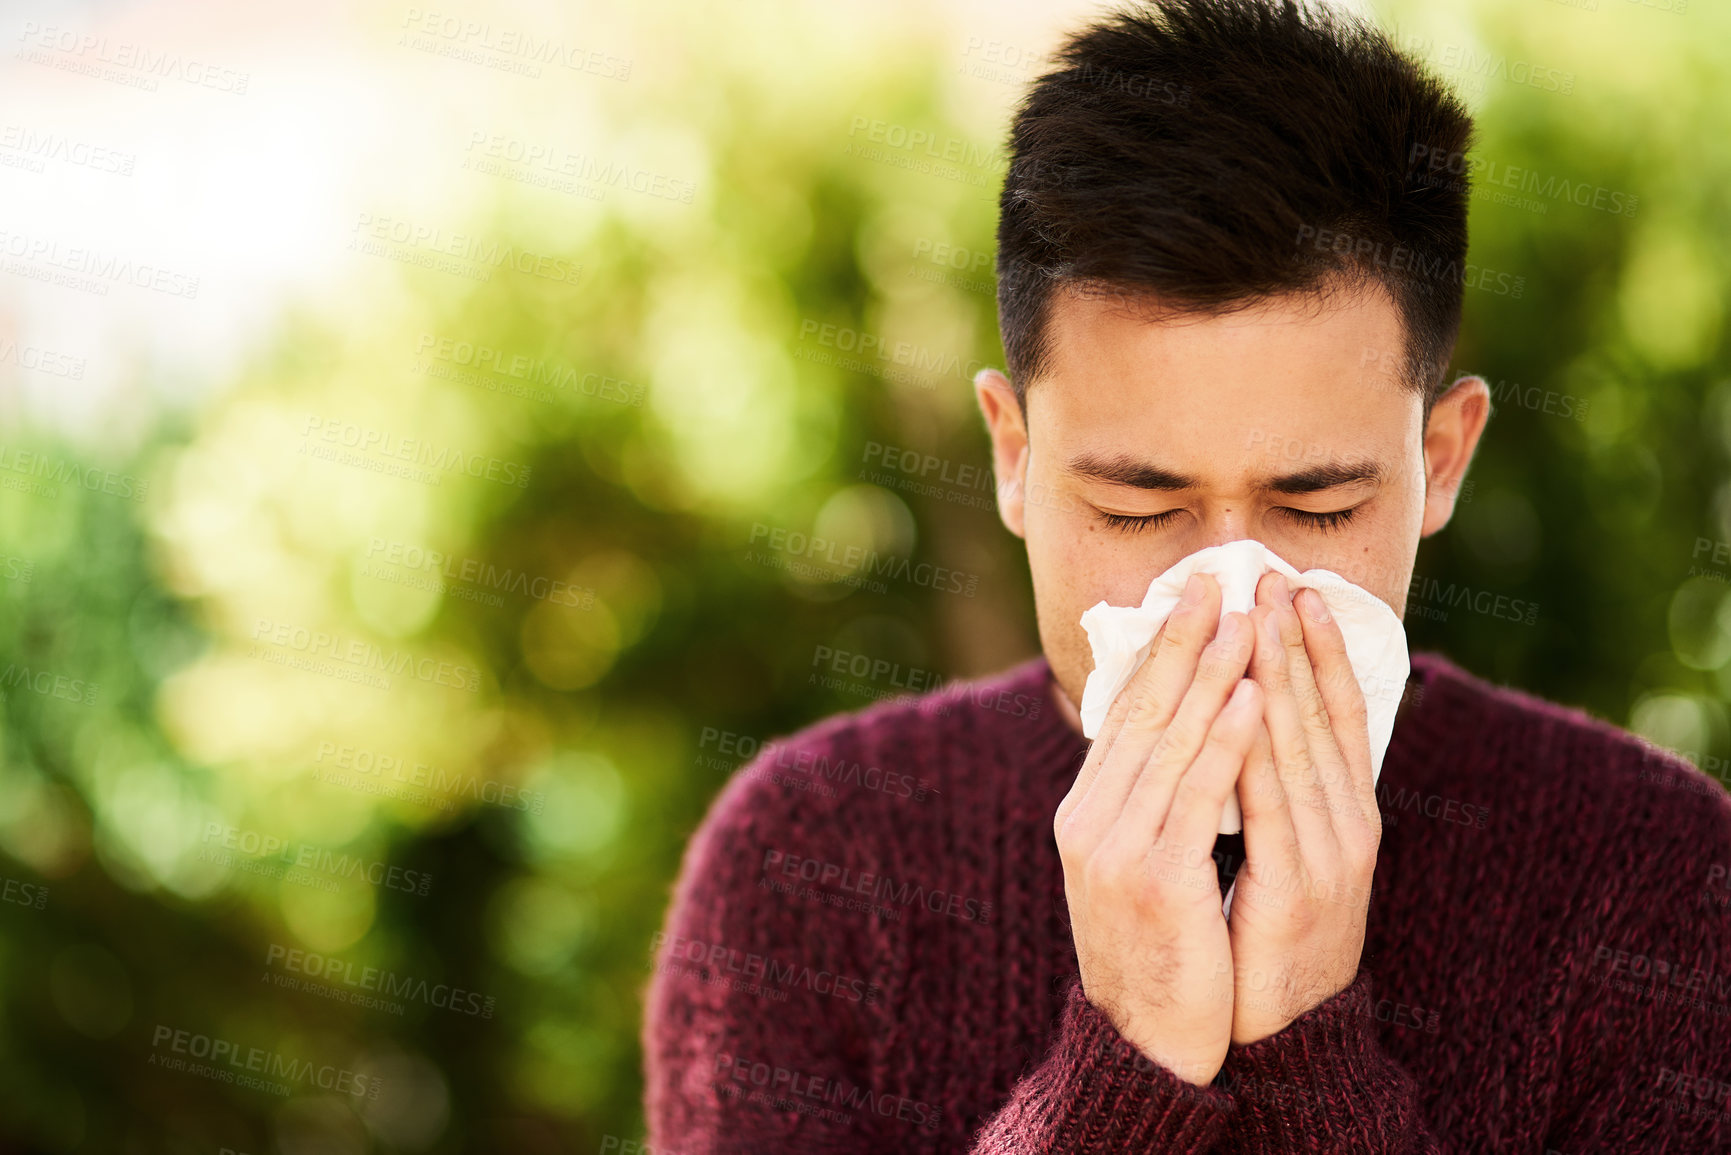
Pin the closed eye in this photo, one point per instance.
(1128, 523)
(1333, 519)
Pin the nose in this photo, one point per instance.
(1223, 523)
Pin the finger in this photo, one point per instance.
(1101, 749)
(1334, 787)
(1288, 740)
(1218, 672)
(1146, 706)
(1270, 838)
(1342, 696)
(1113, 725)
(1193, 819)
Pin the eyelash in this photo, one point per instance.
(1324, 521)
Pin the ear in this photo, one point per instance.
(1009, 433)
(1456, 421)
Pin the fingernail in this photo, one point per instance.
(1281, 590)
(1314, 607)
(1227, 631)
(1192, 590)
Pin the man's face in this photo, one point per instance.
(1150, 439)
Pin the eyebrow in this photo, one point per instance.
(1123, 469)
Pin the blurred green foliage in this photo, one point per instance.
(693, 404)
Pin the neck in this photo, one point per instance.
(1066, 708)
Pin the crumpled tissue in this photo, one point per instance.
(1375, 639)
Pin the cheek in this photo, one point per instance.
(1376, 556)
(1076, 563)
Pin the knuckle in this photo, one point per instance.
(1194, 790)
(1146, 703)
(1108, 869)
(1359, 841)
(1291, 631)
(1071, 835)
(1224, 738)
(1191, 626)
(1180, 735)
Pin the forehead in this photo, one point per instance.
(1297, 377)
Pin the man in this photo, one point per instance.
(1226, 298)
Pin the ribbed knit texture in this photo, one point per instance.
(868, 950)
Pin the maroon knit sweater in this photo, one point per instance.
(869, 950)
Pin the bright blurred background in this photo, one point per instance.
(415, 421)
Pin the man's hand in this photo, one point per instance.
(1311, 826)
(1136, 834)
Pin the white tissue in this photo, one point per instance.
(1375, 639)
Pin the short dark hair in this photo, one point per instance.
(1195, 154)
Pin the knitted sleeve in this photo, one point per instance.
(1325, 1084)
(1637, 1031)
(1095, 1093)
(763, 1013)
(1645, 1061)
